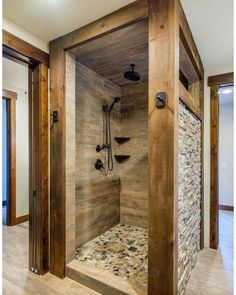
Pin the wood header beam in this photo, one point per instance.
(127, 15)
(189, 43)
(23, 47)
(189, 101)
(218, 80)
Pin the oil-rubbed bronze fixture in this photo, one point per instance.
(106, 146)
(132, 75)
(99, 164)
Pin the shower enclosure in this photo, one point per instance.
(131, 120)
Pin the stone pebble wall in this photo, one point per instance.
(189, 194)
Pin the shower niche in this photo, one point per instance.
(111, 157)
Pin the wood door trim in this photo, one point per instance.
(215, 82)
(226, 207)
(221, 79)
(22, 219)
(214, 182)
(11, 206)
(24, 48)
(36, 58)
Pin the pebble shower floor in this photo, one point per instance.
(122, 250)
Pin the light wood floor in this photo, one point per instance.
(213, 274)
(17, 280)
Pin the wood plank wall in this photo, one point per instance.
(134, 172)
(97, 196)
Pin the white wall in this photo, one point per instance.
(207, 152)
(15, 78)
(16, 30)
(226, 145)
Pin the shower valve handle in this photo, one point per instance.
(101, 147)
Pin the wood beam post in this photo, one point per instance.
(57, 160)
(163, 147)
(214, 198)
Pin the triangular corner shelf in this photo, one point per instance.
(122, 158)
(121, 139)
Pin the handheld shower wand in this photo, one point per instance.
(107, 146)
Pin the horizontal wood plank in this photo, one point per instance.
(189, 101)
(216, 80)
(24, 48)
(21, 219)
(226, 207)
(129, 14)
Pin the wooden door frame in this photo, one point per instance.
(167, 24)
(11, 97)
(214, 82)
(20, 51)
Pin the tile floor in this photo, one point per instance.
(123, 250)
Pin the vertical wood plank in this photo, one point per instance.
(214, 212)
(57, 160)
(12, 177)
(43, 167)
(163, 147)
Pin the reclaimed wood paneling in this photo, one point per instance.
(112, 54)
(163, 147)
(134, 172)
(191, 103)
(70, 156)
(97, 196)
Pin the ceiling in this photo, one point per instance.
(49, 19)
(112, 54)
(211, 22)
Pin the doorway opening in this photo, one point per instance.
(25, 79)
(5, 159)
(226, 156)
(221, 177)
(15, 143)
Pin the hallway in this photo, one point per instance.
(213, 273)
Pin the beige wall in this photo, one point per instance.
(15, 78)
(207, 153)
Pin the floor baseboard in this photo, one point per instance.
(21, 219)
(226, 208)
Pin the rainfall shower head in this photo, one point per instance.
(132, 75)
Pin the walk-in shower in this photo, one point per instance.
(107, 140)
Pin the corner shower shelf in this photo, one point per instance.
(121, 139)
(122, 158)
